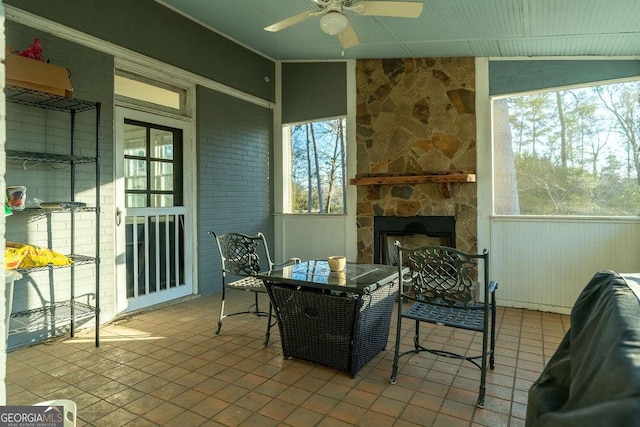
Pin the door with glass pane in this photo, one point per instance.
(151, 215)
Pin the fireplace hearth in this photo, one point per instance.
(410, 231)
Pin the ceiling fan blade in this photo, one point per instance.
(349, 38)
(400, 9)
(292, 20)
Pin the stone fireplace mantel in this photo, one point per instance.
(416, 144)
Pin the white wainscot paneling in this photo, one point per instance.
(545, 263)
(312, 236)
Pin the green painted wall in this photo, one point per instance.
(147, 27)
(324, 85)
(515, 76)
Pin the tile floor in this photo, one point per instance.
(166, 367)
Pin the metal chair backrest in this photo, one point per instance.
(441, 275)
(243, 255)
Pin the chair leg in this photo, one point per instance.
(483, 372)
(480, 402)
(492, 360)
(256, 304)
(221, 316)
(487, 336)
(396, 351)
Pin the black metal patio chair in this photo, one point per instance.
(242, 257)
(440, 287)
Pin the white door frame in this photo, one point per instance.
(190, 202)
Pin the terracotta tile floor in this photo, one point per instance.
(166, 367)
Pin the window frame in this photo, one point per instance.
(288, 191)
(176, 161)
(125, 100)
(496, 166)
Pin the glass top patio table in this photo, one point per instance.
(356, 278)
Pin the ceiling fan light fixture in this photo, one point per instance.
(333, 23)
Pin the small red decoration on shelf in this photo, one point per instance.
(34, 51)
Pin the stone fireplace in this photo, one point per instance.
(415, 118)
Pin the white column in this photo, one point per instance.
(3, 169)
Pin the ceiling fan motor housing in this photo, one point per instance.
(337, 4)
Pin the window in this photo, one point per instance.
(568, 152)
(317, 166)
(153, 165)
(140, 91)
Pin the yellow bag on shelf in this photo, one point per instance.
(33, 256)
(12, 258)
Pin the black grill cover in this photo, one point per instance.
(593, 379)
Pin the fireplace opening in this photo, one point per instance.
(412, 231)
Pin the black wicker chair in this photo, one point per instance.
(440, 287)
(241, 258)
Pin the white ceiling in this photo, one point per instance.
(446, 28)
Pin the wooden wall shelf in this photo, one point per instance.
(418, 178)
(445, 179)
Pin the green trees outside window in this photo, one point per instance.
(568, 152)
(318, 163)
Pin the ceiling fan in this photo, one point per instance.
(333, 20)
